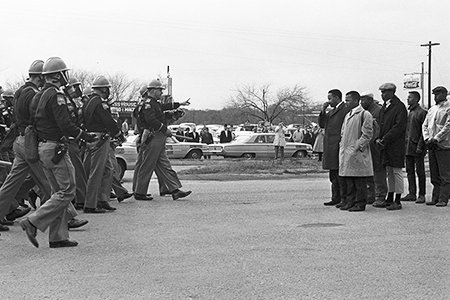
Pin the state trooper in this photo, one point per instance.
(152, 153)
(97, 118)
(53, 126)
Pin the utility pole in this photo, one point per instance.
(429, 45)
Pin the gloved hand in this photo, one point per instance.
(88, 136)
(121, 138)
(168, 132)
(145, 135)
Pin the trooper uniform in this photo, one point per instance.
(152, 153)
(98, 119)
(21, 167)
(53, 126)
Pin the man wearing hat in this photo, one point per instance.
(436, 133)
(391, 141)
(376, 185)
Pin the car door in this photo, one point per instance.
(261, 146)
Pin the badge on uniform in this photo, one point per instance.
(147, 106)
(105, 106)
(60, 99)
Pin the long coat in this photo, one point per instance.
(392, 132)
(355, 159)
(414, 137)
(375, 111)
(280, 138)
(332, 122)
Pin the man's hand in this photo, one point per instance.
(185, 103)
(380, 143)
(145, 135)
(325, 105)
(89, 137)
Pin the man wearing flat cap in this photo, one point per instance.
(391, 141)
(436, 133)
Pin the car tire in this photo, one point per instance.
(300, 153)
(122, 168)
(194, 154)
(248, 155)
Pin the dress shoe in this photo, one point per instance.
(346, 207)
(340, 204)
(75, 223)
(441, 204)
(6, 222)
(65, 243)
(331, 203)
(79, 206)
(180, 194)
(143, 197)
(17, 213)
(30, 231)
(409, 197)
(112, 195)
(4, 228)
(357, 208)
(421, 199)
(32, 196)
(88, 210)
(105, 205)
(124, 196)
(431, 203)
(165, 194)
(394, 206)
(380, 203)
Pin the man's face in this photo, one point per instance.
(334, 100)
(366, 102)
(156, 93)
(350, 102)
(387, 95)
(439, 97)
(411, 100)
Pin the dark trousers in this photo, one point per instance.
(338, 186)
(440, 174)
(415, 164)
(356, 191)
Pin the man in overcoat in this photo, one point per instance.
(332, 122)
(391, 141)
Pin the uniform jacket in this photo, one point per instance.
(280, 138)
(392, 132)
(97, 116)
(22, 104)
(355, 159)
(151, 114)
(332, 122)
(414, 136)
(437, 124)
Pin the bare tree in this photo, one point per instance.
(259, 102)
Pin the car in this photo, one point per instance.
(126, 154)
(259, 145)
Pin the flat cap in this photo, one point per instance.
(440, 89)
(367, 94)
(388, 87)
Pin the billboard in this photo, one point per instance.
(412, 81)
(125, 106)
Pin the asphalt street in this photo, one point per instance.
(247, 239)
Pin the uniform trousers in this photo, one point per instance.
(117, 187)
(152, 157)
(61, 176)
(416, 164)
(440, 174)
(100, 173)
(19, 172)
(80, 172)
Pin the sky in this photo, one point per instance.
(215, 47)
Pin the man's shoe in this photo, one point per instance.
(421, 199)
(17, 213)
(79, 206)
(4, 228)
(346, 207)
(180, 194)
(379, 203)
(357, 208)
(431, 203)
(394, 206)
(331, 203)
(165, 194)
(32, 196)
(60, 244)
(7, 223)
(112, 195)
(75, 223)
(30, 231)
(124, 196)
(88, 210)
(340, 204)
(409, 197)
(105, 205)
(441, 204)
(143, 197)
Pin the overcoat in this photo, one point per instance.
(355, 159)
(280, 138)
(392, 132)
(332, 122)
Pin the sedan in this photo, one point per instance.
(259, 145)
(126, 154)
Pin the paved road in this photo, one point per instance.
(238, 240)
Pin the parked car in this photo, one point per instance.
(126, 154)
(259, 145)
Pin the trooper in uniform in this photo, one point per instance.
(53, 126)
(152, 154)
(97, 118)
